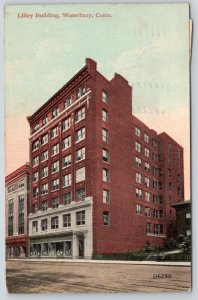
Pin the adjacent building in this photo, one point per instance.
(16, 206)
(183, 218)
(101, 180)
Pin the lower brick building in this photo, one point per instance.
(16, 212)
(101, 180)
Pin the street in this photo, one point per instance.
(79, 277)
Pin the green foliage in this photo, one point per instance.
(185, 245)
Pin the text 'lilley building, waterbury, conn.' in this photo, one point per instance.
(100, 180)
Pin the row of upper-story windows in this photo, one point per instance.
(18, 185)
(147, 167)
(154, 228)
(147, 152)
(158, 199)
(147, 139)
(139, 179)
(155, 213)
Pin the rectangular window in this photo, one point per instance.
(139, 209)
(80, 92)
(138, 193)
(105, 155)
(138, 147)
(106, 218)
(21, 214)
(137, 132)
(155, 143)
(55, 202)
(80, 217)
(68, 102)
(138, 178)
(155, 185)
(35, 161)
(44, 189)
(156, 213)
(67, 161)
(161, 228)
(80, 194)
(146, 152)
(148, 211)
(155, 171)
(148, 227)
(35, 145)
(66, 124)
(156, 229)
(138, 162)
(44, 205)
(80, 174)
(34, 226)
(10, 188)
(106, 197)
(44, 225)
(55, 149)
(66, 180)
(80, 154)
(148, 196)
(10, 217)
(54, 223)
(155, 157)
(161, 213)
(55, 166)
(147, 181)
(44, 155)
(105, 97)
(105, 115)
(35, 192)
(66, 142)
(21, 183)
(44, 121)
(35, 208)
(80, 134)
(67, 198)
(55, 112)
(36, 127)
(105, 175)
(44, 139)
(67, 220)
(80, 115)
(44, 172)
(54, 132)
(55, 184)
(146, 138)
(105, 135)
(35, 176)
(147, 167)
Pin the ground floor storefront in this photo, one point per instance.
(16, 247)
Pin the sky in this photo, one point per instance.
(147, 44)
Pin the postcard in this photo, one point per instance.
(97, 123)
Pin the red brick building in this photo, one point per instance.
(17, 202)
(101, 180)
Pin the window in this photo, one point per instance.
(44, 139)
(68, 102)
(106, 218)
(44, 172)
(67, 220)
(106, 198)
(54, 132)
(44, 189)
(55, 166)
(146, 152)
(35, 176)
(44, 205)
(54, 222)
(80, 174)
(67, 198)
(148, 211)
(156, 213)
(156, 229)
(161, 213)
(146, 138)
(43, 224)
(80, 92)
(170, 186)
(138, 162)
(80, 134)
(161, 228)
(138, 178)
(137, 132)
(155, 143)
(105, 155)
(66, 124)
(188, 216)
(80, 194)
(35, 192)
(138, 193)
(148, 196)
(147, 181)
(80, 154)
(105, 97)
(35, 161)
(55, 149)
(155, 171)
(80, 217)
(155, 185)
(36, 127)
(105, 135)
(44, 155)
(67, 161)
(66, 142)
(80, 115)
(10, 188)
(147, 167)
(21, 215)
(44, 121)
(148, 227)
(10, 217)
(55, 184)
(35, 145)
(138, 147)
(35, 208)
(34, 226)
(156, 199)
(66, 180)
(55, 112)
(55, 202)
(21, 183)
(105, 175)
(155, 157)
(105, 115)
(139, 209)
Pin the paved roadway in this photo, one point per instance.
(79, 277)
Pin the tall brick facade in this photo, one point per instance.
(101, 180)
